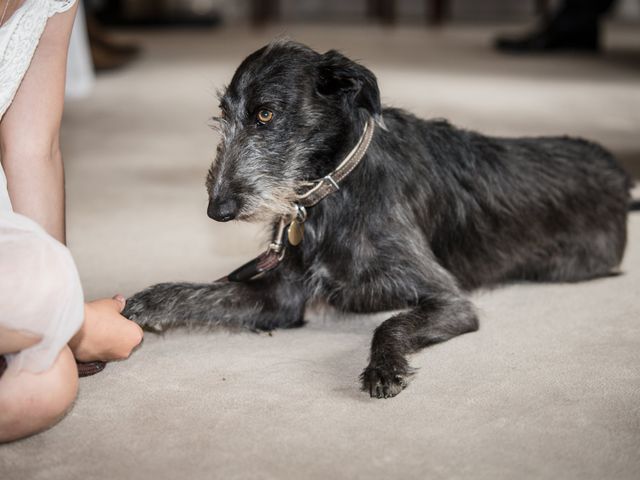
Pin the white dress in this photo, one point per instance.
(40, 290)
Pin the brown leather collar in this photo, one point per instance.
(331, 183)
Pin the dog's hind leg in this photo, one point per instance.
(264, 304)
(593, 254)
(441, 314)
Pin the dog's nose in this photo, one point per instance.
(222, 210)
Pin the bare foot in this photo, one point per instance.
(105, 334)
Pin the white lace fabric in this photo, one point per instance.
(19, 37)
(40, 290)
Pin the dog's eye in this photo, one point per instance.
(264, 116)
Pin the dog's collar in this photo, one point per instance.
(330, 183)
(294, 224)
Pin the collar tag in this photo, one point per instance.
(295, 232)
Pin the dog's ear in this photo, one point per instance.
(355, 84)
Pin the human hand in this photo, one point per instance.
(105, 334)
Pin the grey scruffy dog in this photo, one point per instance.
(432, 211)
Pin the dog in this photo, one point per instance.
(429, 213)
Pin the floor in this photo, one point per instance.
(548, 388)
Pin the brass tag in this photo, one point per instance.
(295, 233)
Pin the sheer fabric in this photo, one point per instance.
(40, 290)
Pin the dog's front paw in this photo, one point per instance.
(386, 380)
(147, 308)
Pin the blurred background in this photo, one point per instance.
(143, 76)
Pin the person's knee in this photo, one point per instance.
(59, 389)
(33, 402)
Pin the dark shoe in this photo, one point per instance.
(118, 48)
(551, 39)
(105, 60)
(98, 35)
(86, 369)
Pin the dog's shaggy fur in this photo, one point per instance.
(431, 212)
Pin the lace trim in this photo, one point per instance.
(23, 40)
(59, 6)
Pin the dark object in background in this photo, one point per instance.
(107, 54)
(575, 26)
(160, 13)
(264, 11)
(430, 212)
(384, 11)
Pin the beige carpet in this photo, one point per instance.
(548, 388)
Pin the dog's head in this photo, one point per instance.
(289, 115)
